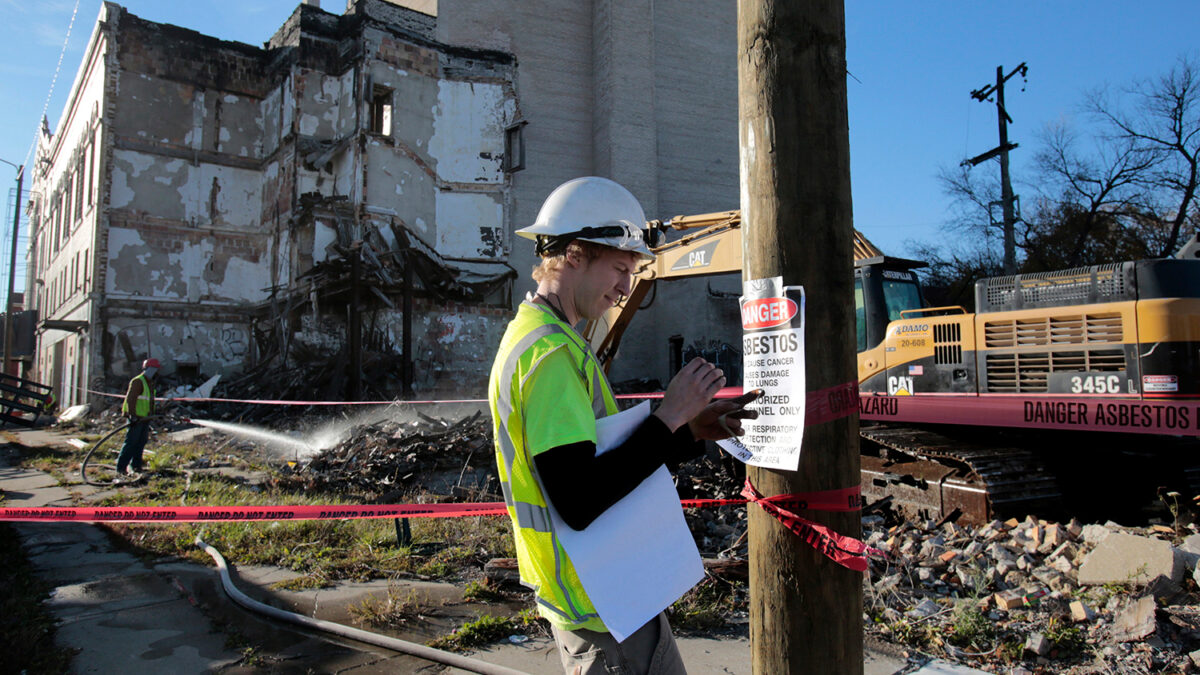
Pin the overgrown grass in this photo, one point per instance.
(303, 583)
(396, 609)
(1068, 640)
(56, 461)
(322, 550)
(971, 629)
(26, 628)
(705, 606)
(481, 591)
(488, 629)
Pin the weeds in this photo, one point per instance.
(1067, 639)
(303, 583)
(1011, 651)
(480, 591)
(704, 607)
(392, 611)
(971, 629)
(487, 629)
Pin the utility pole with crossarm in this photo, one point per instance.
(1007, 200)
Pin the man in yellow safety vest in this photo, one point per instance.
(138, 406)
(546, 392)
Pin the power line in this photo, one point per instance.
(53, 81)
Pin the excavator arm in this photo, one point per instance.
(710, 243)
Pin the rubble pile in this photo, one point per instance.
(308, 374)
(389, 458)
(1038, 596)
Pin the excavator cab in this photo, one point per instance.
(883, 288)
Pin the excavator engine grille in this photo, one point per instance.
(947, 343)
(1085, 285)
(1105, 327)
(1029, 372)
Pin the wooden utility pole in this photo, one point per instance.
(1007, 199)
(805, 610)
(12, 275)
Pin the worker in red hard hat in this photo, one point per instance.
(138, 406)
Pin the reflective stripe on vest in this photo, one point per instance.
(535, 530)
(142, 405)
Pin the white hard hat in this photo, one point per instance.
(590, 209)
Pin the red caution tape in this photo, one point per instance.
(208, 514)
(845, 551)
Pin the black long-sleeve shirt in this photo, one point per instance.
(582, 485)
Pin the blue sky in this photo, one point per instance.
(913, 64)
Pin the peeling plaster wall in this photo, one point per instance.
(438, 168)
(203, 195)
(400, 184)
(319, 96)
(206, 347)
(470, 225)
(185, 248)
(454, 346)
(161, 262)
(468, 137)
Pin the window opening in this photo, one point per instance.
(381, 110)
(514, 147)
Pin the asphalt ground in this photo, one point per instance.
(123, 613)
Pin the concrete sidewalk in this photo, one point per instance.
(121, 612)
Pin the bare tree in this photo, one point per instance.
(1083, 196)
(1159, 118)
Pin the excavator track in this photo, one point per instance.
(929, 475)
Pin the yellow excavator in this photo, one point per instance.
(1103, 349)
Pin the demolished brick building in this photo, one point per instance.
(225, 207)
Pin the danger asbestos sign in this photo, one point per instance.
(772, 360)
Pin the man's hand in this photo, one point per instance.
(719, 419)
(689, 392)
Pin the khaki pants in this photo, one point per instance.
(651, 650)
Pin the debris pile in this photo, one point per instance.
(310, 373)
(1038, 596)
(389, 458)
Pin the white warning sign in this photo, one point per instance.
(772, 360)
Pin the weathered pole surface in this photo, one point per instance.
(805, 610)
(12, 275)
(1006, 193)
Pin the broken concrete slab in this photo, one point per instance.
(1081, 612)
(1094, 534)
(1130, 559)
(1136, 621)
(1038, 644)
(1191, 550)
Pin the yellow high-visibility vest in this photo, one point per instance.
(145, 400)
(546, 389)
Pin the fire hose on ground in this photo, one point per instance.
(395, 644)
(83, 466)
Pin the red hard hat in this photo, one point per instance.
(151, 363)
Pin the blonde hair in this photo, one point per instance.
(550, 265)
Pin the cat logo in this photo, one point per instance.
(699, 258)
(900, 385)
